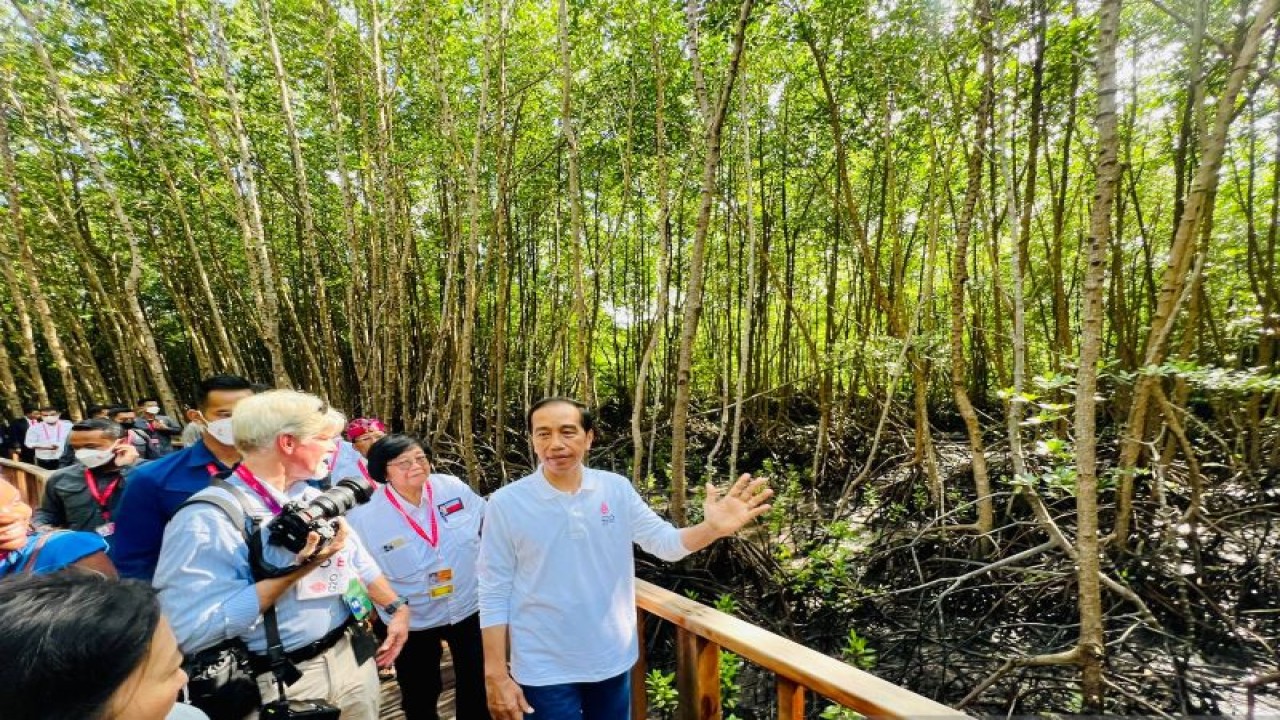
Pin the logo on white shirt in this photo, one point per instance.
(606, 517)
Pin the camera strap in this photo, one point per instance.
(240, 516)
(284, 671)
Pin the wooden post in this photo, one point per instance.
(697, 677)
(790, 699)
(639, 696)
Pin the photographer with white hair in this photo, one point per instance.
(261, 562)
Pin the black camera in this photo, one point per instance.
(290, 528)
(300, 710)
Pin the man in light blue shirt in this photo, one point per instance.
(208, 589)
(557, 577)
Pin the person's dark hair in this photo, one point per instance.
(148, 398)
(259, 388)
(588, 420)
(49, 408)
(110, 428)
(214, 383)
(389, 448)
(69, 640)
(95, 409)
(115, 410)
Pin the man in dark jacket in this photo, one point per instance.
(161, 429)
(17, 435)
(85, 495)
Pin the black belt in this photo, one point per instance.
(262, 664)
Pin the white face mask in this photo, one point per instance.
(91, 458)
(220, 430)
(153, 409)
(51, 419)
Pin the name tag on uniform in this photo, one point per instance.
(393, 544)
(440, 583)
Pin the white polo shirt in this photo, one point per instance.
(558, 570)
(43, 433)
(439, 581)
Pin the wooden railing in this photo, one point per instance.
(701, 633)
(29, 479)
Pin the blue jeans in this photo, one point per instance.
(603, 700)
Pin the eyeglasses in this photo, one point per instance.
(407, 463)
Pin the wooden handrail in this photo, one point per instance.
(702, 631)
(28, 478)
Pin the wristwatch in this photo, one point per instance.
(395, 605)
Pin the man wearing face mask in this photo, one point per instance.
(162, 429)
(85, 496)
(48, 437)
(156, 491)
(139, 439)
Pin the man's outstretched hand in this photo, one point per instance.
(745, 501)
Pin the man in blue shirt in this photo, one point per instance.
(156, 490)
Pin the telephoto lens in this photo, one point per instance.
(291, 527)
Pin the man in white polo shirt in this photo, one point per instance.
(557, 576)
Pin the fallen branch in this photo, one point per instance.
(1068, 657)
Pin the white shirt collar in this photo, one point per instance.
(547, 491)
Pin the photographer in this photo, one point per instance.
(217, 583)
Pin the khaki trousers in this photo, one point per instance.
(336, 678)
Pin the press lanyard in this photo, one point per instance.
(434, 537)
(243, 473)
(44, 430)
(102, 498)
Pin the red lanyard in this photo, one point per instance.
(434, 537)
(243, 473)
(102, 498)
(44, 430)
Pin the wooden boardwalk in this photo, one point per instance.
(391, 693)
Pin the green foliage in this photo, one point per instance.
(730, 665)
(1247, 381)
(824, 568)
(726, 603)
(660, 689)
(857, 652)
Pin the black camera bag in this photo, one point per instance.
(220, 681)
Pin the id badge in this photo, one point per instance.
(440, 583)
(106, 529)
(330, 579)
(357, 598)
